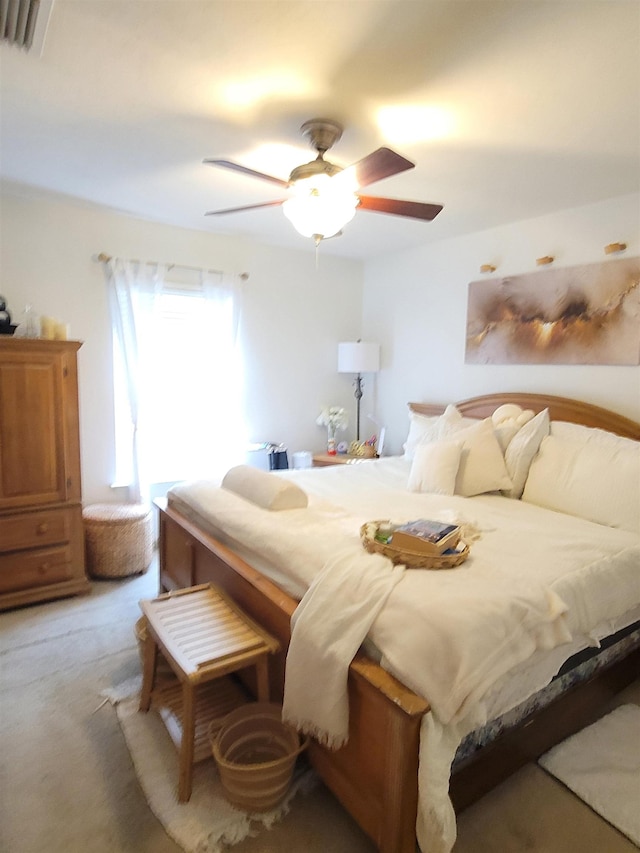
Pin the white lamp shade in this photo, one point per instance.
(358, 357)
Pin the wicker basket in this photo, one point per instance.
(365, 451)
(141, 636)
(256, 754)
(118, 539)
(411, 559)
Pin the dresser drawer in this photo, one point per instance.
(26, 569)
(34, 529)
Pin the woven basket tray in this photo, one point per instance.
(411, 559)
(366, 451)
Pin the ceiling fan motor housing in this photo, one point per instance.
(323, 133)
(315, 167)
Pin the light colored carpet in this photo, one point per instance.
(67, 782)
(207, 823)
(601, 764)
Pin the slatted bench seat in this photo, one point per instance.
(203, 636)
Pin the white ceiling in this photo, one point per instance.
(509, 109)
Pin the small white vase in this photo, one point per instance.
(331, 440)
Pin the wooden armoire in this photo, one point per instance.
(41, 532)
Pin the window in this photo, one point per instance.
(177, 375)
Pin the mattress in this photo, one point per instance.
(576, 669)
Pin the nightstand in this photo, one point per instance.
(322, 460)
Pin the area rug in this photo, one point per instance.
(601, 765)
(208, 823)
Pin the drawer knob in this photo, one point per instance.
(44, 567)
(42, 527)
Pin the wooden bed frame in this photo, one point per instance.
(375, 775)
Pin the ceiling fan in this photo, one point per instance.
(323, 197)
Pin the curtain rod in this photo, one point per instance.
(104, 258)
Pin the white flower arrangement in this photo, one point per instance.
(334, 417)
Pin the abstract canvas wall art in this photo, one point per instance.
(586, 314)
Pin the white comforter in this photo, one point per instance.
(534, 581)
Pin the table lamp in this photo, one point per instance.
(358, 357)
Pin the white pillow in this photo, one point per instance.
(521, 450)
(434, 467)
(578, 432)
(505, 433)
(419, 427)
(597, 479)
(423, 430)
(266, 490)
(507, 420)
(482, 466)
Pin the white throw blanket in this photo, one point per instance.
(325, 639)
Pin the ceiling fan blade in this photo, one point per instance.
(378, 165)
(236, 167)
(397, 207)
(246, 207)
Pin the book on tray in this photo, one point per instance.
(423, 536)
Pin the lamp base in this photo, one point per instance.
(358, 396)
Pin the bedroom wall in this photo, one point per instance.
(415, 304)
(290, 326)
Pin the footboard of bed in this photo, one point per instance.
(375, 776)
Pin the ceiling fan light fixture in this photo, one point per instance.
(323, 197)
(318, 208)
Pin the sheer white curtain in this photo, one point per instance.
(177, 373)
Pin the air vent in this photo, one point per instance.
(24, 22)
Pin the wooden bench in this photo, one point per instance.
(203, 636)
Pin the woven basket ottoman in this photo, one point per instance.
(118, 539)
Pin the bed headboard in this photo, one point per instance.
(560, 409)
